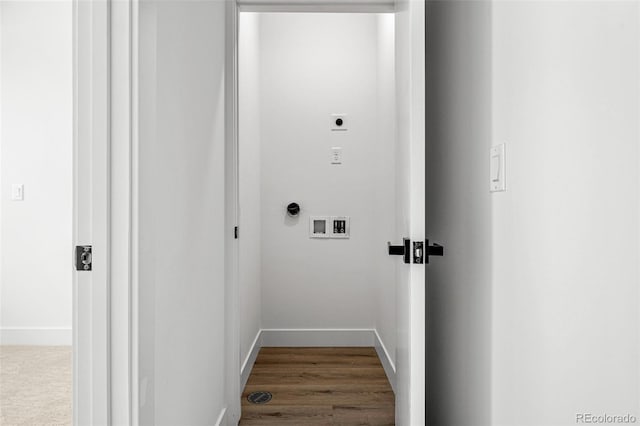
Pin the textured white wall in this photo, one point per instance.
(182, 235)
(566, 101)
(36, 150)
(250, 184)
(312, 66)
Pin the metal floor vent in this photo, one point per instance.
(260, 397)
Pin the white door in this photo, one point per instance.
(410, 213)
(91, 221)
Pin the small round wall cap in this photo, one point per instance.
(293, 209)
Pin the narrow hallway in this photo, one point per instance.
(319, 386)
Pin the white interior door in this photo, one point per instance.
(410, 213)
(91, 218)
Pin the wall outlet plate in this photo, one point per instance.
(340, 226)
(339, 122)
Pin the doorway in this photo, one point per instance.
(317, 197)
(36, 211)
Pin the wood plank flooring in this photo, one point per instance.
(319, 386)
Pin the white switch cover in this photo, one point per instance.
(17, 192)
(336, 155)
(497, 167)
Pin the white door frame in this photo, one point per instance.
(104, 333)
(232, 253)
(411, 367)
(90, 211)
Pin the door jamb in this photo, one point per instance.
(91, 367)
(105, 153)
(232, 318)
(235, 7)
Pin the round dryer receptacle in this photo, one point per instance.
(293, 209)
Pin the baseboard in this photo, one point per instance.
(387, 364)
(318, 337)
(222, 418)
(247, 365)
(36, 336)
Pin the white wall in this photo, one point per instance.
(385, 182)
(547, 272)
(312, 66)
(566, 101)
(250, 290)
(182, 212)
(459, 212)
(36, 150)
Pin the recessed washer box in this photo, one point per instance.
(329, 227)
(340, 226)
(318, 227)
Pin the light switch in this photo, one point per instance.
(495, 168)
(17, 192)
(336, 155)
(497, 179)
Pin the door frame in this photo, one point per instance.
(413, 409)
(104, 180)
(90, 207)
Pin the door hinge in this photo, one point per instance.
(236, 232)
(84, 258)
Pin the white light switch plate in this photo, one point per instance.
(497, 169)
(17, 192)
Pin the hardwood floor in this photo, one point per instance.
(319, 386)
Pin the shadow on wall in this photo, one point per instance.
(458, 129)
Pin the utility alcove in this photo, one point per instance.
(317, 315)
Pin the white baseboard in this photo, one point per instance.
(387, 364)
(222, 418)
(318, 337)
(36, 336)
(247, 365)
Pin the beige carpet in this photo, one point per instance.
(35, 385)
